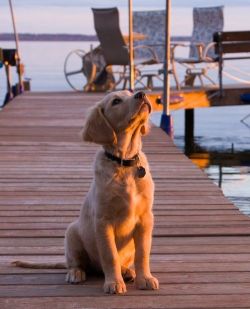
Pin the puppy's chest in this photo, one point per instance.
(129, 191)
(128, 205)
(123, 191)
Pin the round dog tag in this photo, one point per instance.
(141, 172)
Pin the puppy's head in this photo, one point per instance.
(119, 111)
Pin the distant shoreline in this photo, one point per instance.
(64, 37)
(48, 37)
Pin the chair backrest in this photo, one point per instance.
(106, 22)
(152, 25)
(206, 21)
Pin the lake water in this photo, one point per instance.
(222, 140)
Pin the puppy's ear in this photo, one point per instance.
(97, 129)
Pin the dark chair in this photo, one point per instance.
(114, 48)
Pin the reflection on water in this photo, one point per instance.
(230, 170)
(234, 181)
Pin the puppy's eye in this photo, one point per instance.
(116, 101)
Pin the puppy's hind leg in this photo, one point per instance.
(76, 256)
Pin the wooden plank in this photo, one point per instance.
(232, 36)
(74, 213)
(159, 223)
(58, 249)
(158, 231)
(163, 301)
(236, 47)
(181, 204)
(176, 278)
(156, 266)
(171, 242)
(155, 258)
(94, 290)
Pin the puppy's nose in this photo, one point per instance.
(140, 95)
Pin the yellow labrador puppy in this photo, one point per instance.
(114, 229)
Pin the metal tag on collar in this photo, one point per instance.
(141, 172)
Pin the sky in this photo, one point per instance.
(145, 3)
(75, 16)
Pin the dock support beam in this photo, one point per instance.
(189, 130)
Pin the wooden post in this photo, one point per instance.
(131, 48)
(166, 120)
(8, 77)
(220, 176)
(18, 58)
(166, 89)
(189, 131)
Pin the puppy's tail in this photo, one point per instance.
(39, 265)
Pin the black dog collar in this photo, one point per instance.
(123, 162)
(141, 172)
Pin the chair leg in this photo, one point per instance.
(173, 71)
(201, 80)
(189, 80)
(150, 82)
(125, 82)
(210, 79)
(220, 76)
(8, 79)
(139, 81)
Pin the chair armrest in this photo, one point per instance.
(198, 45)
(177, 44)
(206, 50)
(200, 49)
(150, 49)
(174, 45)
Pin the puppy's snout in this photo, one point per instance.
(140, 95)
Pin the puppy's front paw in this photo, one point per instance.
(147, 283)
(114, 287)
(75, 275)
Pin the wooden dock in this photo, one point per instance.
(209, 96)
(201, 244)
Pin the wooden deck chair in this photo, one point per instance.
(152, 25)
(206, 21)
(114, 48)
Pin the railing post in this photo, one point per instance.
(166, 121)
(18, 58)
(220, 50)
(131, 48)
